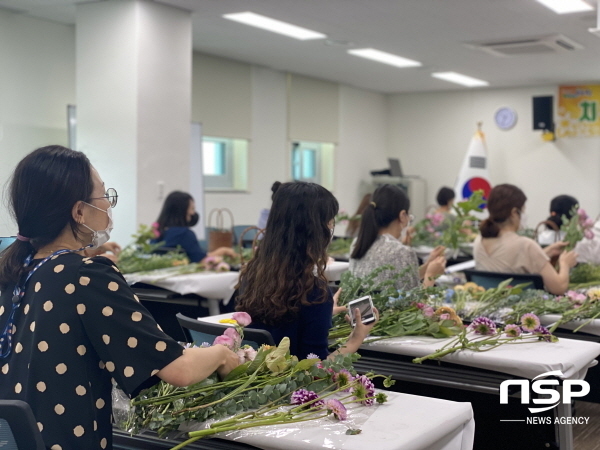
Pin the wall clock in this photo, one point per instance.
(505, 118)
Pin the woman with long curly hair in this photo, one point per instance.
(283, 287)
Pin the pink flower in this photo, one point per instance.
(243, 318)
(234, 336)
(582, 214)
(437, 219)
(155, 231)
(428, 311)
(420, 305)
(224, 340)
(222, 267)
(589, 223)
(576, 297)
(250, 353)
(337, 408)
(589, 234)
(445, 316)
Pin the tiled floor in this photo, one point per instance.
(587, 437)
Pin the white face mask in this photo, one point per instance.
(101, 237)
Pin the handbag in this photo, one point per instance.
(219, 236)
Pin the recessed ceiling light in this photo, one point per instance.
(458, 78)
(566, 6)
(383, 57)
(276, 26)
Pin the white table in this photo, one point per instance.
(335, 269)
(214, 286)
(570, 356)
(405, 422)
(592, 328)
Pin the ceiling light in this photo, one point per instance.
(458, 78)
(383, 57)
(566, 6)
(276, 26)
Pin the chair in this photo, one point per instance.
(6, 241)
(199, 331)
(18, 427)
(493, 279)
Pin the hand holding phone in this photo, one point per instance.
(365, 307)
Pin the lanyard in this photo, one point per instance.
(18, 294)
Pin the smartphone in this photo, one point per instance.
(365, 306)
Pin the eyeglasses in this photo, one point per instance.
(111, 196)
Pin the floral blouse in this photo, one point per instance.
(79, 329)
(387, 250)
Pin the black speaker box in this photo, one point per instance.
(543, 118)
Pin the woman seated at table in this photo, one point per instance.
(445, 199)
(177, 216)
(378, 242)
(71, 326)
(500, 249)
(283, 287)
(560, 206)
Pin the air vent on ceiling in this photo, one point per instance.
(555, 43)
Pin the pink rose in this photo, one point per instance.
(420, 305)
(428, 311)
(589, 223)
(234, 336)
(224, 340)
(243, 318)
(444, 316)
(589, 234)
(250, 353)
(582, 214)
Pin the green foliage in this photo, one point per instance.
(585, 273)
(339, 247)
(461, 229)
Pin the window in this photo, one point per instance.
(225, 164)
(313, 162)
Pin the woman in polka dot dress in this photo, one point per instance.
(72, 326)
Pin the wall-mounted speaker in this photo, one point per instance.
(543, 117)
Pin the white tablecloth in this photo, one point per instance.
(210, 285)
(592, 328)
(405, 422)
(528, 360)
(335, 269)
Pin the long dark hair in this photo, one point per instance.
(43, 189)
(277, 280)
(174, 211)
(386, 204)
(503, 198)
(561, 205)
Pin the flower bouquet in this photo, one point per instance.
(577, 227)
(269, 387)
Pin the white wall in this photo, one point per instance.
(37, 81)
(430, 133)
(360, 133)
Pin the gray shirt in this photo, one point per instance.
(387, 250)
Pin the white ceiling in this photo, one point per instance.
(430, 31)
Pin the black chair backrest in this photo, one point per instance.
(493, 279)
(192, 326)
(18, 427)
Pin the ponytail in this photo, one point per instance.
(503, 198)
(387, 202)
(11, 258)
(367, 234)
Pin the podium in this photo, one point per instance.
(415, 187)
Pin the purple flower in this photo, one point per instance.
(312, 356)
(483, 325)
(343, 379)
(364, 390)
(529, 322)
(512, 330)
(242, 318)
(302, 396)
(337, 408)
(543, 333)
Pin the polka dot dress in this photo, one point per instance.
(78, 326)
